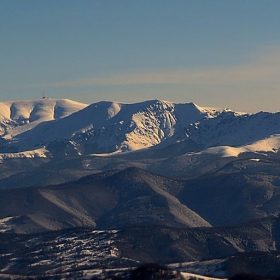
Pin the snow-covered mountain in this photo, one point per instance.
(49, 127)
(27, 111)
(19, 116)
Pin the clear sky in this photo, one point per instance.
(221, 53)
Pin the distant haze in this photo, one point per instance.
(213, 53)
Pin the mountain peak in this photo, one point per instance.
(26, 111)
(111, 127)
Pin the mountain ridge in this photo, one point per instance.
(117, 198)
(179, 181)
(109, 200)
(109, 127)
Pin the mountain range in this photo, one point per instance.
(52, 128)
(161, 160)
(153, 181)
(117, 199)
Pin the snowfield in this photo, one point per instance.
(270, 144)
(25, 115)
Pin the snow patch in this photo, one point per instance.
(270, 144)
(38, 153)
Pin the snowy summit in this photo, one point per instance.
(39, 127)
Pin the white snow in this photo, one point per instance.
(187, 276)
(125, 126)
(29, 113)
(5, 224)
(198, 269)
(37, 153)
(270, 144)
(111, 127)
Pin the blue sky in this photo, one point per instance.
(220, 53)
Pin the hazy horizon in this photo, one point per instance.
(218, 53)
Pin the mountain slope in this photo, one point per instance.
(174, 245)
(109, 127)
(236, 193)
(240, 191)
(106, 200)
(85, 249)
(26, 111)
(18, 117)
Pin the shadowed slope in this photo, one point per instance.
(113, 200)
